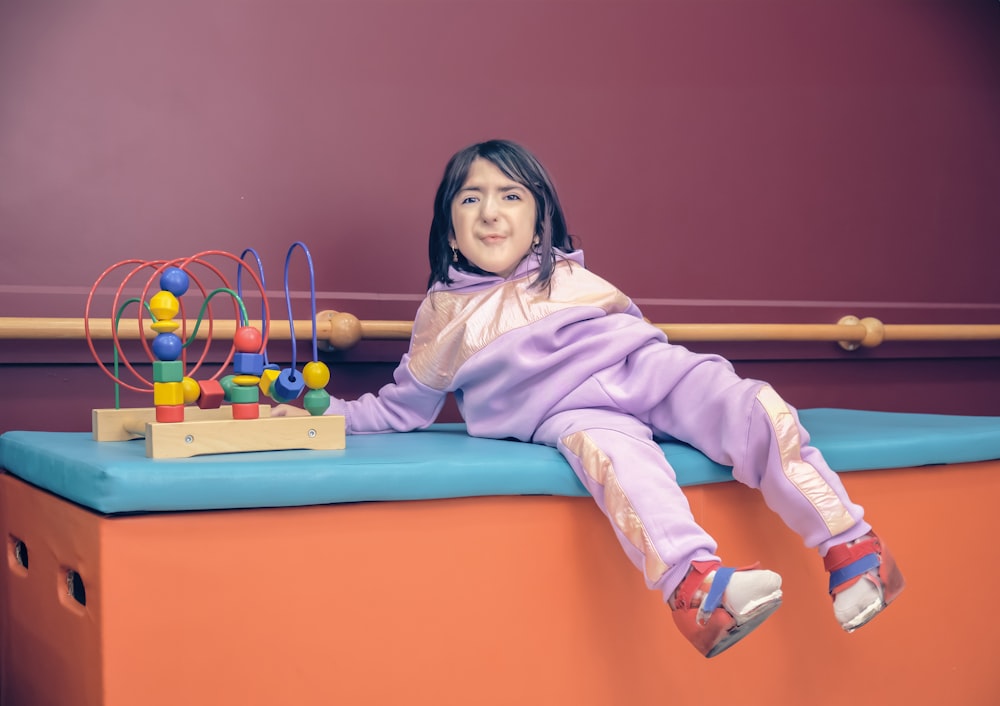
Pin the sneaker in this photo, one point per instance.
(715, 607)
(864, 580)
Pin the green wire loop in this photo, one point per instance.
(201, 315)
(204, 306)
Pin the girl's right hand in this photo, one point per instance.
(287, 410)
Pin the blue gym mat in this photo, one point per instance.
(441, 462)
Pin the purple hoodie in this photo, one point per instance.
(509, 352)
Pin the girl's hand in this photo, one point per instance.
(287, 410)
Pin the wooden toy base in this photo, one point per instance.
(486, 601)
(214, 431)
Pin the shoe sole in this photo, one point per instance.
(750, 622)
(865, 617)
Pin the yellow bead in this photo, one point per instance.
(164, 305)
(192, 390)
(165, 326)
(315, 375)
(268, 377)
(245, 380)
(168, 393)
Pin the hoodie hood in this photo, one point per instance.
(529, 266)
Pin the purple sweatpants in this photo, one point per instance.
(606, 430)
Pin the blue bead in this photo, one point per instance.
(288, 385)
(167, 346)
(248, 364)
(273, 394)
(175, 280)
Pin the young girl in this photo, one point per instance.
(537, 348)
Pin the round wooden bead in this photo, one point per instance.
(345, 330)
(316, 375)
(247, 339)
(167, 346)
(175, 280)
(192, 391)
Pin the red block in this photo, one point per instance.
(211, 395)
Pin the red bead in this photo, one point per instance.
(212, 394)
(170, 413)
(245, 411)
(247, 339)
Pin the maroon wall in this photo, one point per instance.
(725, 161)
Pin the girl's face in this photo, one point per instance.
(494, 219)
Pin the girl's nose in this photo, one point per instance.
(490, 208)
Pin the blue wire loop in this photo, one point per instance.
(312, 300)
(263, 286)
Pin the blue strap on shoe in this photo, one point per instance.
(714, 598)
(859, 567)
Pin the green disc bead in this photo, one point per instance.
(244, 394)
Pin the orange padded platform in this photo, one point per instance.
(479, 601)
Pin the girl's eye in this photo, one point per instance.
(512, 197)
(469, 199)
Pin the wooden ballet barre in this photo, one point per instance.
(342, 331)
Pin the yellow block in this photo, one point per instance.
(168, 393)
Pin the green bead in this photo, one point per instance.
(316, 402)
(168, 370)
(227, 386)
(244, 394)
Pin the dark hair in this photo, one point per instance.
(518, 164)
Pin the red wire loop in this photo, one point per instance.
(158, 266)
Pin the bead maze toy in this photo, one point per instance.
(220, 413)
